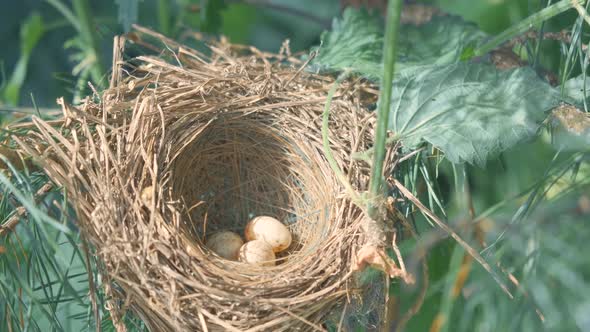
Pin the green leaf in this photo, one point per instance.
(443, 40)
(575, 88)
(355, 43)
(469, 111)
(31, 32)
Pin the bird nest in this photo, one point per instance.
(183, 144)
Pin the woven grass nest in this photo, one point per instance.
(183, 144)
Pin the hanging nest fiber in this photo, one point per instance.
(183, 144)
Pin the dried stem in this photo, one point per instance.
(453, 234)
(21, 211)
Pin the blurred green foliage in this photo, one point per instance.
(32, 31)
(531, 194)
(50, 67)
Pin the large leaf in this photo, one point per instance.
(440, 41)
(356, 43)
(469, 111)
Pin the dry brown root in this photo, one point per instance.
(377, 258)
(373, 253)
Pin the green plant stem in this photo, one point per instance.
(88, 34)
(389, 50)
(164, 17)
(326, 141)
(526, 24)
(539, 41)
(581, 11)
(66, 13)
(64, 23)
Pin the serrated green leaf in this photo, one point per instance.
(469, 111)
(355, 43)
(440, 41)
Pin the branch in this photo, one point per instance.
(11, 223)
(404, 191)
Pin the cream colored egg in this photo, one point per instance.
(257, 252)
(147, 194)
(269, 230)
(226, 244)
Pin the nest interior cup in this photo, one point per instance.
(218, 139)
(235, 169)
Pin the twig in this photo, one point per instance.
(11, 223)
(453, 234)
(301, 68)
(408, 279)
(516, 283)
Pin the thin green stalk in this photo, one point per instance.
(64, 23)
(66, 13)
(571, 55)
(164, 17)
(88, 33)
(526, 24)
(326, 141)
(394, 8)
(581, 11)
(539, 41)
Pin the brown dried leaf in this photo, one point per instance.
(377, 258)
(571, 119)
(504, 58)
